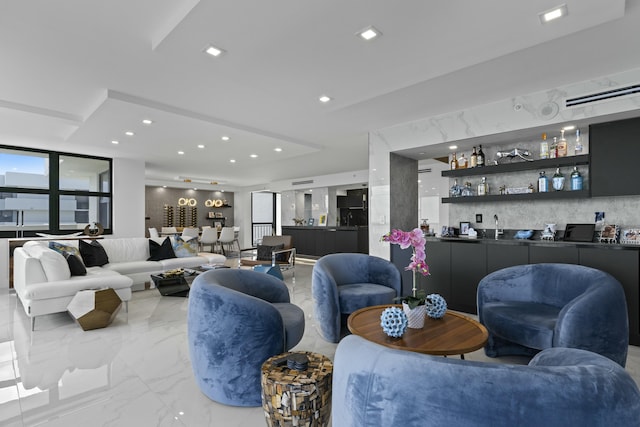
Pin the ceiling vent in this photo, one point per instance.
(309, 181)
(623, 91)
(425, 170)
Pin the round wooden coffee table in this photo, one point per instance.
(453, 334)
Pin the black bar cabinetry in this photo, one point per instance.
(320, 241)
(457, 265)
(614, 158)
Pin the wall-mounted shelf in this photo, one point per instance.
(521, 165)
(552, 195)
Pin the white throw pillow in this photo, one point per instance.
(55, 266)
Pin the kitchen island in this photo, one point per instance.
(319, 241)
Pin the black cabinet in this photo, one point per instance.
(624, 265)
(457, 267)
(468, 267)
(439, 261)
(501, 256)
(542, 254)
(615, 150)
(320, 241)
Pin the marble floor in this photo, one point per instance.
(136, 372)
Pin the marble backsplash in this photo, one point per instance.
(534, 214)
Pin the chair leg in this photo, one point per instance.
(33, 323)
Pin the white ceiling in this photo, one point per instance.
(76, 74)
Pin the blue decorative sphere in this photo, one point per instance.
(393, 322)
(436, 306)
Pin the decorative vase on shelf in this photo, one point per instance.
(415, 316)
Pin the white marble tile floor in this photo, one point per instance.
(136, 372)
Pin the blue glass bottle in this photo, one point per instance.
(576, 179)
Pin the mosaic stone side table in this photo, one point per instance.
(297, 398)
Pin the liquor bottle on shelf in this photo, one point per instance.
(558, 180)
(483, 187)
(454, 162)
(578, 148)
(473, 161)
(544, 147)
(462, 162)
(576, 179)
(480, 156)
(543, 183)
(456, 190)
(467, 190)
(553, 149)
(562, 145)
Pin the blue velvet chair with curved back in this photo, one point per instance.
(377, 386)
(237, 319)
(528, 308)
(343, 283)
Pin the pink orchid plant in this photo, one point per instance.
(414, 239)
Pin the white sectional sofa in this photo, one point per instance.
(44, 284)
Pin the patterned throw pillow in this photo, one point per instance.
(185, 248)
(63, 247)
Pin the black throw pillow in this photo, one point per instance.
(264, 252)
(160, 251)
(93, 254)
(75, 265)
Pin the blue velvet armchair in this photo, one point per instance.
(377, 386)
(528, 308)
(344, 283)
(237, 319)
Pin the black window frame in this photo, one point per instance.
(55, 192)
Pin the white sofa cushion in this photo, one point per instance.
(96, 278)
(55, 266)
(126, 249)
(133, 266)
(212, 258)
(190, 262)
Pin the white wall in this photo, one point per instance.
(128, 198)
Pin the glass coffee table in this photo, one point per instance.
(179, 285)
(454, 334)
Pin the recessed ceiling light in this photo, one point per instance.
(225, 138)
(200, 145)
(453, 147)
(232, 161)
(115, 142)
(570, 127)
(164, 186)
(369, 33)
(181, 152)
(147, 122)
(552, 14)
(253, 156)
(213, 50)
(129, 133)
(278, 149)
(324, 98)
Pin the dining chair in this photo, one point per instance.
(226, 238)
(153, 233)
(190, 232)
(209, 237)
(169, 230)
